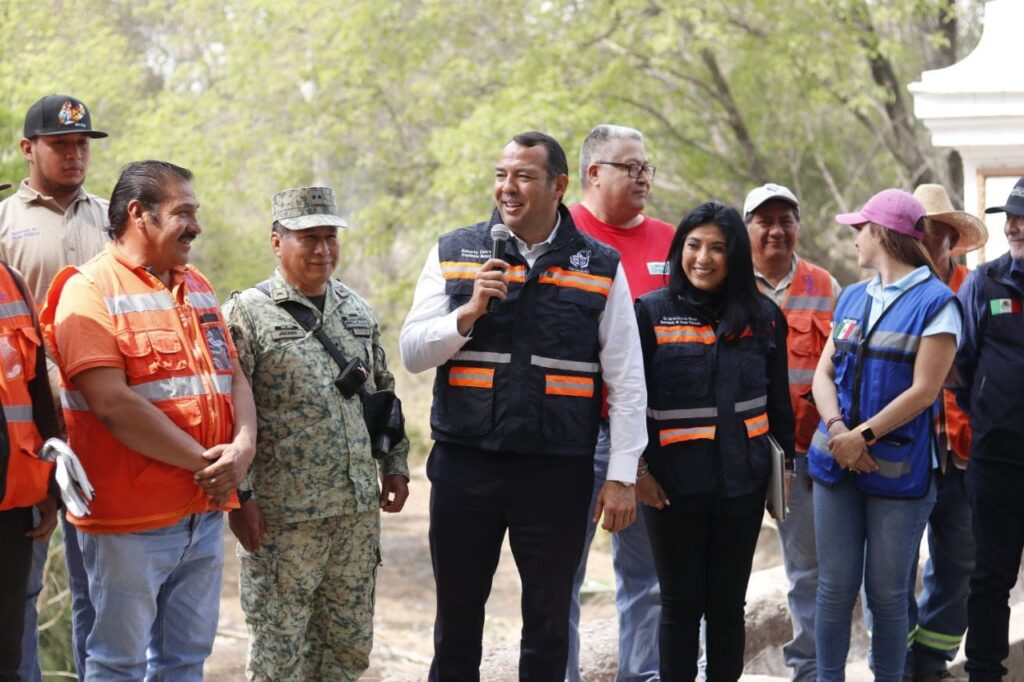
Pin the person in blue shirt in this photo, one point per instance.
(892, 344)
(990, 364)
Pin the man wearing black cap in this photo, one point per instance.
(991, 367)
(49, 223)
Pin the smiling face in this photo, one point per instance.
(704, 258)
(308, 257)
(171, 227)
(1014, 230)
(616, 195)
(526, 198)
(773, 230)
(57, 164)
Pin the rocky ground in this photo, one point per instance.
(405, 610)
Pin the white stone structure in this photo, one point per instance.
(976, 106)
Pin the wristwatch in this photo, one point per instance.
(243, 495)
(867, 434)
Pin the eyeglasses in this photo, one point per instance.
(632, 169)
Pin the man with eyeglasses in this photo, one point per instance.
(616, 179)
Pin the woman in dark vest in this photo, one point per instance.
(893, 341)
(715, 363)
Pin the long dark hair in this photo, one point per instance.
(744, 305)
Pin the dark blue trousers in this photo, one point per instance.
(14, 569)
(996, 494)
(475, 496)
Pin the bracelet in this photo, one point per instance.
(641, 469)
(833, 420)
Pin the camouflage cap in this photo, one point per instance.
(305, 207)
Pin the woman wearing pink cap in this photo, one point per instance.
(892, 344)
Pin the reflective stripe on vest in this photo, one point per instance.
(684, 334)
(13, 309)
(669, 436)
(813, 303)
(18, 413)
(483, 356)
(471, 377)
(569, 365)
(559, 384)
(577, 280)
(757, 426)
(468, 270)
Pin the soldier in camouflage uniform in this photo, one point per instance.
(310, 533)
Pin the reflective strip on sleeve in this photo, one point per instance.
(684, 334)
(203, 299)
(138, 303)
(74, 401)
(568, 365)
(471, 377)
(558, 384)
(815, 303)
(669, 436)
(482, 356)
(691, 413)
(757, 426)
(13, 309)
(577, 280)
(459, 270)
(18, 413)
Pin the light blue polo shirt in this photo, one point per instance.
(949, 320)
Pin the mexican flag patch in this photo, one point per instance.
(1004, 306)
(846, 329)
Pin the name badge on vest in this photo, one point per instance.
(659, 268)
(284, 333)
(357, 325)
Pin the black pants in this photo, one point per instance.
(997, 509)
(15, 564)
(703, 562)
(474, 497)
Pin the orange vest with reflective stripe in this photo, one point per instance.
(27, 476)
(177, 355)
(957, 425)
(808, 308)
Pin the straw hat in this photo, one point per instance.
(972, 231)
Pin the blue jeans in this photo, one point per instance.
(873, 540)
(799, 553)
(82, 614)
(156, 595)
(637, 595)
(940, 614)
(29, 669)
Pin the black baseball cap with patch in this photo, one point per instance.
(59, 115)
(1014, 203)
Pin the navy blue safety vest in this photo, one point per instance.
(529, 378)
(707, 402)
(872, 367)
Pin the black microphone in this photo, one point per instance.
(500, 234)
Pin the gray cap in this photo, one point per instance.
(305, 207)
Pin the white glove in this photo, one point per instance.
(75, 489)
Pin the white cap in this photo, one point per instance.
(764, 193)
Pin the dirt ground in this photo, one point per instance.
(405, 599)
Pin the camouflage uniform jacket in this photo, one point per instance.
(312, 448)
